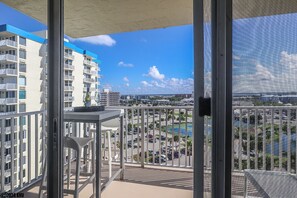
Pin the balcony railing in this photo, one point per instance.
(95, 73)
(8, 43)
(68, 88)
(263, 138)
(87, 71)
(159, 136)
(8, 72)
(89, 80)
(69, 98)
(34, 123)
(90, 89)
(69, 56)
(8, 101)
(8, 57)
(67, 66)
(91, 63)
(68, 77)
(8, 86)
(7, 113)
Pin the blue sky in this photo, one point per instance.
(147, 62)
(161, 60)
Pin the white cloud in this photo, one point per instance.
(156, 84)
(107, 86)
(127, 84)
(126, 79)
(123, 64)
(288, 60)
(236, 57)
(280, 77)
(98, 40)
(172, 85)
(146, 84)
(154, 73)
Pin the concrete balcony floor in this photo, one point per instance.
(151, 182)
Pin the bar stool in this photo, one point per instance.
(107, 128)
(77, 144)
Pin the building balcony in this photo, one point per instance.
(68, 56)
(165, 137)
(4, 44)
(87, 71)
(90, 63)
(68, 88)
(8, 101)
(68, 77)
(68, 67)
(8, 158)
(8, 58)
(8, 86)
(91, 89)
(89, 80)
(68, 98)
(5, 129)
(7, 113)
(8, 72)
(95, 73)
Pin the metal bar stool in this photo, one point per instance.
(77, 144)
(107, 128)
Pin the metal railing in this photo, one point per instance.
(8, 42)
(30, 136)
(264, 137)
(162, 136)
(159, 136)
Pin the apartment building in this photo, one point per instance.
(109, 98)
(23, 88)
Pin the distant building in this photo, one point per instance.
(183, 95)
(109, 98)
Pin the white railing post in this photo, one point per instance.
(142, 138)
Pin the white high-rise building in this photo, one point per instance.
(23, 85)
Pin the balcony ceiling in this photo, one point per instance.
(95, 17)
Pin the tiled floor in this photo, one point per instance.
(152, 183)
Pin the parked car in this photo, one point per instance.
(149, 136)
(163, 138)
(175, 155)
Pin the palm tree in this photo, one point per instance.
(189, 149)
(176, 139)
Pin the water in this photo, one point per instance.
(183, 130)
(284, 146)
(189, 130)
